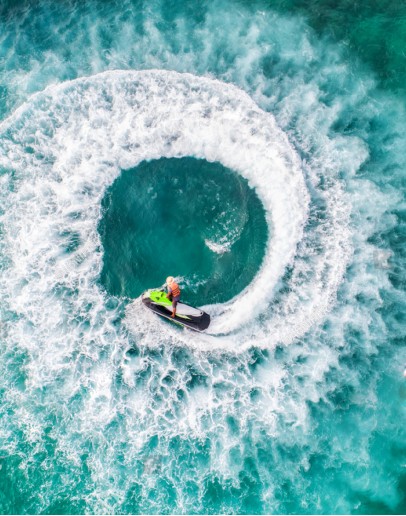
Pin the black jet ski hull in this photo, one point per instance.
(198, 322)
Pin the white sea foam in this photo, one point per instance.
(62, 150)
(82, 134)
(218, 247)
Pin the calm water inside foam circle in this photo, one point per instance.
(183, 217)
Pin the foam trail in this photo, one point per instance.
(87, 130)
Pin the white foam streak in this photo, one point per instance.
(90, 129)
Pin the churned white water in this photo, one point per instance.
(87, 131)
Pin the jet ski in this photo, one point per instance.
(193, 318)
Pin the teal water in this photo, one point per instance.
(193, 218)
(283, 125)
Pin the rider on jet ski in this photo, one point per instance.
(173, 293)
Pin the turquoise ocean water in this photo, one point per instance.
(255, 150)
